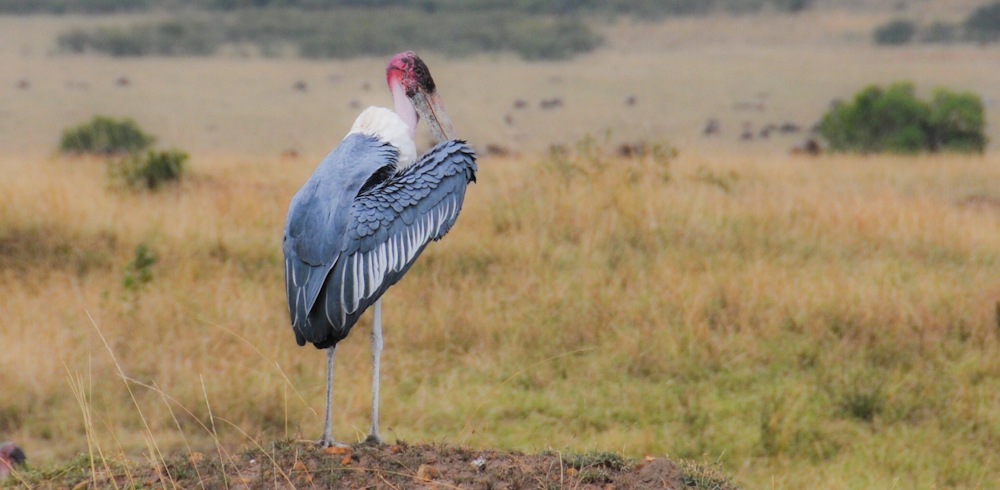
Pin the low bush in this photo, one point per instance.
(895, 120)
(152, 169)
(895, 33)
(957, 122)
(105, 135)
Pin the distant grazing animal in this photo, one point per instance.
(10, 456)
(630, 100)
(551, 103)
(23, 84)
(122, 81)
(629, 150)
(747, 133)
(809, 147)
(520, 104)
(300, 86)
(509, 119)
(789, 127)
(369, 210)
(748, 106)
(497, 150)
(712, 127)
(765, 132)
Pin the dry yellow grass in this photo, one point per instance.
(754, 325)
(820, 323)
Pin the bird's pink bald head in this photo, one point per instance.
(409, 72)
(407, 75)
(414, 95)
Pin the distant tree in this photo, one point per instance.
(983, 24)
(895, 33)
(895, 120)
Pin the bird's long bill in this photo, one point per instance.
(432, 111)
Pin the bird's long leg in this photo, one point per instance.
(327, 440)
(374, 436)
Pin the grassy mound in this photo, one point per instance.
(297, 464)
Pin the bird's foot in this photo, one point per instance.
(328, 442)
(373, 439)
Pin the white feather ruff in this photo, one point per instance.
(386, 126)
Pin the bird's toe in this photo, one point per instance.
(326, 443)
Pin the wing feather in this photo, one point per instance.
(386, 227)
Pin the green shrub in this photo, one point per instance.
(957, 122)
(139, 272)
(152, 169)
(105, 135)
(894, 120)
(895, 33)
(983, 24)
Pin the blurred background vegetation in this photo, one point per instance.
(982, 26)
(342, 34)
(535, 29)
(638, 7)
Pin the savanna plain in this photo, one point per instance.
(806, 322)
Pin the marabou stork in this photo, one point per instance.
(366, 214)
(10, 456)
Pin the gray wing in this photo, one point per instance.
(387, 228)
(318, 218)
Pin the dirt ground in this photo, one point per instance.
(303, 465)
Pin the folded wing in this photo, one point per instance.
(388, 225)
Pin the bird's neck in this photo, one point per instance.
(386, 126)
(404, 107)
